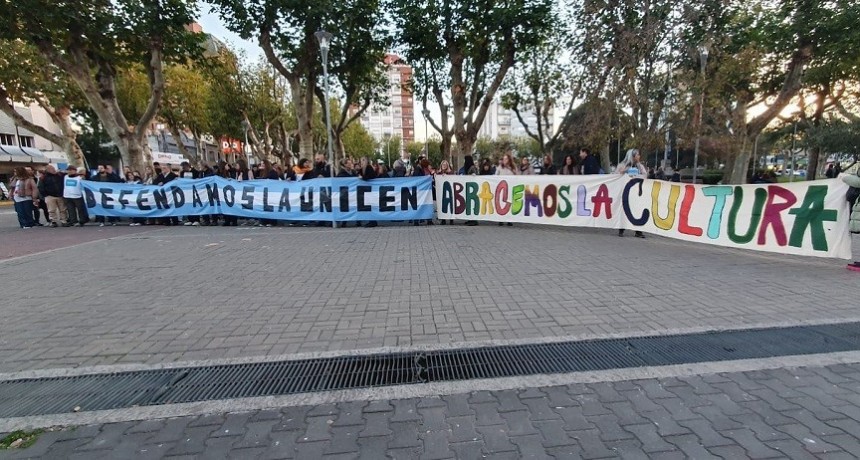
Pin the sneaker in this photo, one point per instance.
(101, 225)
(113, 224)
(67, 224)
(195, 224)
(25, 228)
(79, 224)
(54, 225)
(187, 224)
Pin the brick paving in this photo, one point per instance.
(811, 412)
(152, 296)
(187, 293)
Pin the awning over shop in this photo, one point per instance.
(22, 154)
(56, 157)
(169, 158)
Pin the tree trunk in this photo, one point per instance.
(61, 117)
(814, 161)
(177, 137)
(605, 161)
(740, 165)
(73, 150)
(304, 117)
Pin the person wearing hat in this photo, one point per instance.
(853, 198)
(51, 190)
(73, 196)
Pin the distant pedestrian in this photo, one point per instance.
(444, 170)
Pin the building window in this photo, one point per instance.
(26, 141)
(7, 139)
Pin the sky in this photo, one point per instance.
(212, 24)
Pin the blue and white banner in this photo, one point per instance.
(338, 199)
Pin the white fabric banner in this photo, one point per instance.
(803, 218)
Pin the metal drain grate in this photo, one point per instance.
(28, 397)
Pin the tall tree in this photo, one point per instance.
(285, 30)
(26, 77)
(759, 52)
(462, 50)
(90, 40)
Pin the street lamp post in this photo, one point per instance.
(388, 148)
(324, 39)
(245, 127)
(426, 114)
(703, 55)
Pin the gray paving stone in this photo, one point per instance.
(436, 446)
(752, 446)
(496, 439)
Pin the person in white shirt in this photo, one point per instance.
(632, 166)
(73, 194)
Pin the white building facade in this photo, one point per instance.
(398, 117)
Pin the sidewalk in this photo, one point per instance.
(794, 413)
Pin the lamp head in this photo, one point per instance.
(324, 39)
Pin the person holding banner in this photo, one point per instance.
(569, 167)
(526, 168)
(469, 169)
(853, 198)
(444, 170)
(632, 166)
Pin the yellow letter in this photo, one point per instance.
(486, 197)
(674, 193)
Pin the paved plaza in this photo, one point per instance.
(140, 297)
(798, 413)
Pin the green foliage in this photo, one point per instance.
(466, 47)
(838, 137)
(95, 143)
(27, 77)
(357, 142)
(389, 148)
(28, 438)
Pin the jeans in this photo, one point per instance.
(25, 213)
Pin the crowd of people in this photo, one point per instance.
(58, 196)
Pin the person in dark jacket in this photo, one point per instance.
(469, 169)
(321, 168)
(167, 175)
(548, 168)
(105, 175)
(51, 190)
(367, 172)
(588, 163)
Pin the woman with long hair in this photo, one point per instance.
(148, 175)
(506, 166)
(632, 166)
(302, 167)
(568, 168)
(26, 197)
(444, 170)
(486, 168)
(526, 168)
